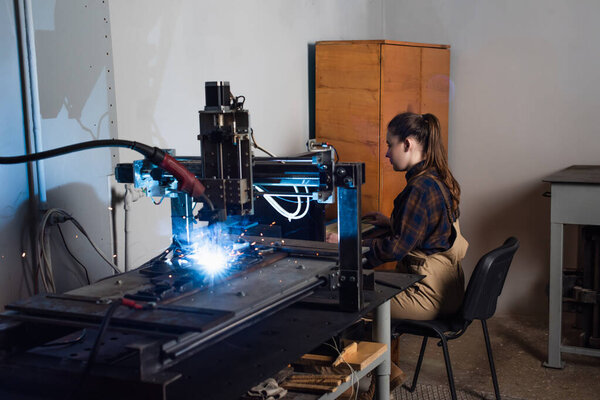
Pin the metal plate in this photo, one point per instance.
(197, 310)
(261, 287)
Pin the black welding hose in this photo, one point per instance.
(187, 181)
(147, 151)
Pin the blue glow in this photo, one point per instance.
(213, 252)
(210, 258)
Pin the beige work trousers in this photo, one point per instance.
(441, 291)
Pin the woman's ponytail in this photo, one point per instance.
(431, 125)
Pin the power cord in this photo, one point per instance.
(45, 271)
(102, 332)
(255, 144)
(289, 215)
(97, 343)
(269, 198)
(87, 275)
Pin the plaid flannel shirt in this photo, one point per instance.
(419, 220)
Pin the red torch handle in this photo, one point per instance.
(187, 181)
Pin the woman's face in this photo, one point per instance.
(397, 153)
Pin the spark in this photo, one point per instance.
(22, 255)
(114, 256)
(210, 259)
(211, 254)
(110, 208)
(76, 236)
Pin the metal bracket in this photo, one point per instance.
(334, 279)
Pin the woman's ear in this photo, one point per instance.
(407, 144)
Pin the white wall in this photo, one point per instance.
(76, 99)
(76, 92)
(525, 78)
(163, 53)
(15, 194)
(527, 83)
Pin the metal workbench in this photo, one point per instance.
(229, 367)
(246, 358)
(575, 200)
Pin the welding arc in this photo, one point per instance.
(187, 181)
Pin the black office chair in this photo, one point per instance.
(479, 303)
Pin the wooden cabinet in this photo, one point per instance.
(360, 86)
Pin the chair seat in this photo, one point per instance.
(431, 328)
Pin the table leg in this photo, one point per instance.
(382, 333)
(555, 297)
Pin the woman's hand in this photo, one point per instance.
(331, 237)
(378, 219)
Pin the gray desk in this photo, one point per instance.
(575, 200)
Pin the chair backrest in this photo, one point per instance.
(487, 281)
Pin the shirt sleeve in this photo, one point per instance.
(410, 226)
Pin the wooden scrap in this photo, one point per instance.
(346, 353)
(317, 358)
(316, 379)
(365, 354)
(311, 360)
(299, 377)
(357, 355)
(309, 387)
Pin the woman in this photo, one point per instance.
(424, 235)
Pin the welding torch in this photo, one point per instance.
(187, 181)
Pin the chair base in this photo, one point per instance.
(444, 344)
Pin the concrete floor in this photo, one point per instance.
(519, 345)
